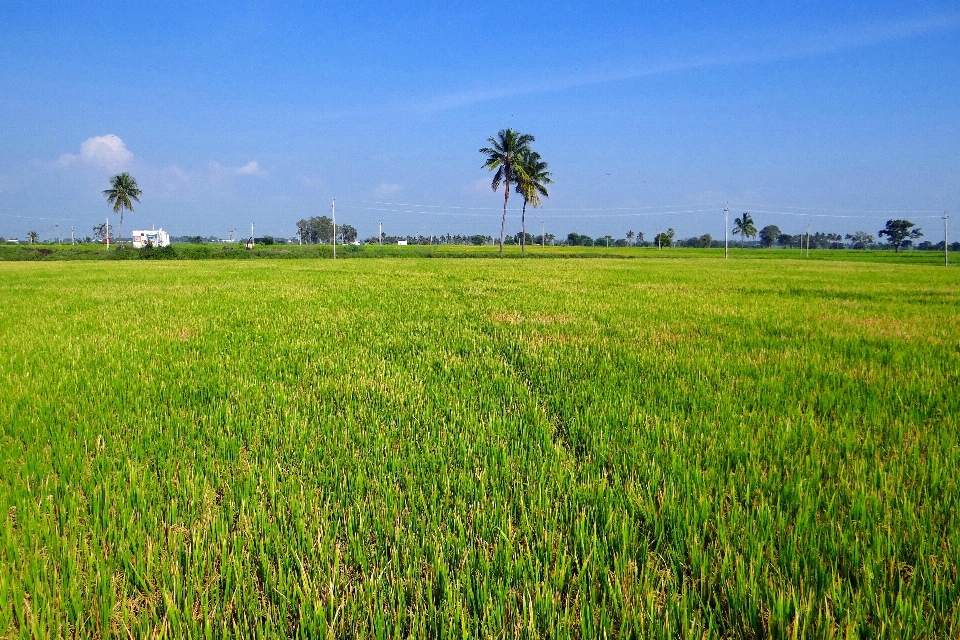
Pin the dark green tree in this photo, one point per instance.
(743, 227)
(574, 239)
(899, 230)
(347, 233)
(315, 229)
(505, 157)
(860, 239)
(101, 232)
(664, 239)
(769, 235)
(532, 183)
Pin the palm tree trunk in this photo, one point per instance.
(523, 227)
(503, 223)
(120, 230)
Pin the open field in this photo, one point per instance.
(182, 251)
(557, 448)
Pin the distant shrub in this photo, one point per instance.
(150, 252)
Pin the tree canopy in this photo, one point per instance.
(744, 227)
(121, 194)
(899, 230)
(314, 230)
(769, 235)
(505, 157)
(665, 239)
(532, 183)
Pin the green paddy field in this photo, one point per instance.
(422, 447)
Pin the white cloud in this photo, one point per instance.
(107, 151)
(252, 168)
(386, 189)
(249, 169)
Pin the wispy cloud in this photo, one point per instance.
(805, 45)
(387, 189)
(252, 168)
(477, 186)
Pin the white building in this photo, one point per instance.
(154, 237)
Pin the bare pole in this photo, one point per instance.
(253, 241)
(333, 213)
(808, 237)
(380, 237)
(946, 241)
(726, 226)
(58, 233)
(71, 236)
(107, 233)
(543, 231)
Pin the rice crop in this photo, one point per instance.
(479, 448)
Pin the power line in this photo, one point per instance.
(833, 215)
(661, 210)
(500, 209)
(839, 209)
(496, 212)
(10, 215)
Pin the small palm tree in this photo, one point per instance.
(743, 226)
(630, 235)
(123, 189)
(505, 156)
(531, 184)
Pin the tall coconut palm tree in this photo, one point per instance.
(743, 226)
(531, 184)
(630, 235)
(123, 189)
(505, 156)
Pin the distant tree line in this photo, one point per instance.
(319, 230)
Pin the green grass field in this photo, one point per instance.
(478, 448)
(181, 251)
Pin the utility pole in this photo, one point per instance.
(946, 242)
(253, 241)
(543, 236)
(71, 236)
(808, 237)
(107, 233)
(726, 225)
(380, 237)
(333, 213)
(58, 232)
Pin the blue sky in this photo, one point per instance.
(651, 115)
